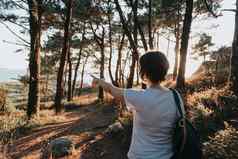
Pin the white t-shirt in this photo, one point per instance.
(154, 117)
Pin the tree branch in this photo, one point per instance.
(20, 6)
(14, 43)
(209, 8)
(229, 10)
(97, 38)
(125, 26)
(20, 25)
(15, 34)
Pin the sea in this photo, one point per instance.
(10, 75)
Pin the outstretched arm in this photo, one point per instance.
(116, 92)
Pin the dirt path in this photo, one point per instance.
(81, 126)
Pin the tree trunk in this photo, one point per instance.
(150, 25)
(35, 12)
(144, 43)
(137, 24)
(101, 43)
(121, 79)
(184, 44)
(216, 70)
(82, 74)
(177, 37)
(60, 82)
(137, 73)
(233, 79)
(47, 87)
(132, 44)
(78, 61)
(69, 95)
(102, 61)
(125, 26)
(130, 79)
(118, 65)
(65, 78)
(76, 71)
(168, 47)
(101, 94)
(123, 70)
(110, 53)
(158, 40)
(135, 27)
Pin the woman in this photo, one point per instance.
(154, 109)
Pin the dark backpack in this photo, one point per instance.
(186, 140)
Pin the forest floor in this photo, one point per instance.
(81, 123)
(213, 110)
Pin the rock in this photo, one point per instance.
(114, 128)
(57, 148)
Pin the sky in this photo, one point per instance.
(221, 35)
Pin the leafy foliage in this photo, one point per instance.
(223, 145)
(222, 54)
(203, 45)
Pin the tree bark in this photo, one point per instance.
(175, 71)
(137, 73)
(100, 42)
(35, 18)
(60, 82)
(130, 79)
(76, 70)
(137, 25)
(82, 74)
(110, 52)
(118, 65)
(135, 28)
(150, 26)
(121, 79)
(124, 69)
(144, 43)
(184, 44)
(177, 40)
(47, 87)
(168, 47)
(158, 39)
(216, 70)
(132, 44)
(233, 79)
(125, 26)
(102, 61)
(69, 95)
(79, 60)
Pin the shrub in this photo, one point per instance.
(3, 97)
(207, 121)
(6, 104)
(229, 105)
(10, 127)
(224, 145)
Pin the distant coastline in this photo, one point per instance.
(10, 75)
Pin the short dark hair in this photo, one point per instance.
(154, 65)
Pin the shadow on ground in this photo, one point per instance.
(80, 121)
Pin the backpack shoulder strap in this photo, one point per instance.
(178, 102)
